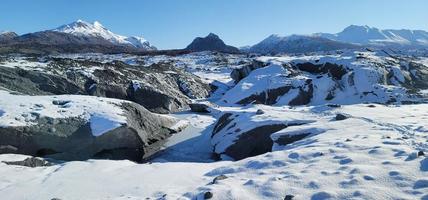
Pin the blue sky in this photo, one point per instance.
(174, 23)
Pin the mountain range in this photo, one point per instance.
(351, 37)
(81, 36)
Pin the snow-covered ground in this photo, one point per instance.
(370, 155)
(373, 154)
(193, 144)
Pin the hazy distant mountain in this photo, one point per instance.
(211, 43)
(366, 35)
(297, 44)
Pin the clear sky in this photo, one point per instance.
(174, 23)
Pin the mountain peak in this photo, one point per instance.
(212, 35)
(211, 42)
(96, 29)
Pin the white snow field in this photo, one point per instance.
(378, 152)
(370, 155)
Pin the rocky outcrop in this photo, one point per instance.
(78, 137)
(161, 88)
(30, 162)
(211, 43)
(342, 78)
(240, 134)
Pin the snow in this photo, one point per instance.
(20, 110)
(190, 145)
(82, 28)
(101, 124)
(365, 79)
(371, 155)
(24, 63)
(374, 36)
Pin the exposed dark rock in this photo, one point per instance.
(260, 112)
(219, 178)
(254, 142)
(288, 139)
(30, 162)
(222, 122)
(288, 197)
(239, 73)
(199, 107)
(148, 86)
(421, 153)
(208, 195)
(141, 136)
(340, 117)
(211, 43)
(267, 97)
(333, 70)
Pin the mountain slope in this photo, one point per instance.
(211, 43)
(366, 35)
(297, 44)
(82, 28)
(7, 35)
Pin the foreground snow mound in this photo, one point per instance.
(73, 127)
(372, 154)
(344, 78)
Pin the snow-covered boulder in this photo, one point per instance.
(344, 78)
(71, 127)
(246, 132)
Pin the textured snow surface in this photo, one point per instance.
(373, 154)
(370, 155)
(20, 110)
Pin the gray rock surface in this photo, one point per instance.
(72, 138)
(160, 88)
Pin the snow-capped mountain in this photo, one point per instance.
(297, 44)
(367, 35)
(7, 35)
(96, 29)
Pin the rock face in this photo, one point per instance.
(30, 162)
(247, 133)
(343, 78)
(211, 43)
(131, 133)
(160, 88)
